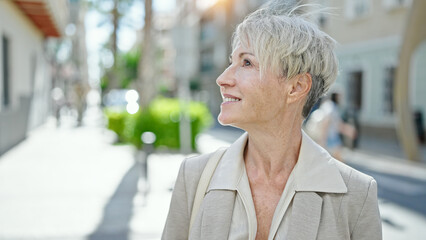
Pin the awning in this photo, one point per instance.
(41, 14)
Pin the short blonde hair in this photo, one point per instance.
(287, 43)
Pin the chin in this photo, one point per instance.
(227, 121)
(221, 120)
(224, 120)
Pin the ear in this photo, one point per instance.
(300, 86)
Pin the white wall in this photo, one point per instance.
(26, 49)
(372, 58)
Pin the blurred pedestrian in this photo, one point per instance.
(274, 182)
(351, 116)
(59, 102)
(333, 128)
(78, 100)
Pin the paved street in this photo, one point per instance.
(72, 183)
(407, 189)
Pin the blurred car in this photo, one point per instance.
(122, 99)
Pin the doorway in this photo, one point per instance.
(354, 90)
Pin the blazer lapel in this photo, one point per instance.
(305, 216)
(215, 215)
(217, 210)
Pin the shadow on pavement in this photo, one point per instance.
(118, 211)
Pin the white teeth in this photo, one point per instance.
(231, 100)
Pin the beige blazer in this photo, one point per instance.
(336, 202)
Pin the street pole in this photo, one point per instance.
(185, 118)
(185, 41)
(148, 140)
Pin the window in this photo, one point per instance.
(357, 8)
(6, 72)
(389, 80)
(354, 90)
(206, 60)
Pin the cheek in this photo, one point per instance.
(268, 94)
(260, 100)
(272, 98)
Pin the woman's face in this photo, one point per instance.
(247, 98)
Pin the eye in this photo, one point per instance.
(246, 63)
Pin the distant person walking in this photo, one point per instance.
(333, 128)
(59, 101)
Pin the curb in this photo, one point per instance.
(385, 164)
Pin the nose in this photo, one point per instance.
(226, 79)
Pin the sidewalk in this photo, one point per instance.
(387, 147)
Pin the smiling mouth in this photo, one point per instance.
(227, 99)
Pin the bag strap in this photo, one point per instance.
(204, 182)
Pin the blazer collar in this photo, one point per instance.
(315, 170)
(231, 167)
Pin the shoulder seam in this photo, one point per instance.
(362, 208)
(341, 199)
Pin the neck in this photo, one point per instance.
(272, 149)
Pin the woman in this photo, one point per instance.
(274, 182)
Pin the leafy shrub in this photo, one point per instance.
(162, 117)
(116, 121)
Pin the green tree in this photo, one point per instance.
(114, 13)
(146, 84)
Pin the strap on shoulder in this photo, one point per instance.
(204, 182)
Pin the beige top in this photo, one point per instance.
(243, 223)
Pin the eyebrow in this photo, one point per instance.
(241, 54)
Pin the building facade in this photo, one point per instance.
(25, 74)
(369, 36)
